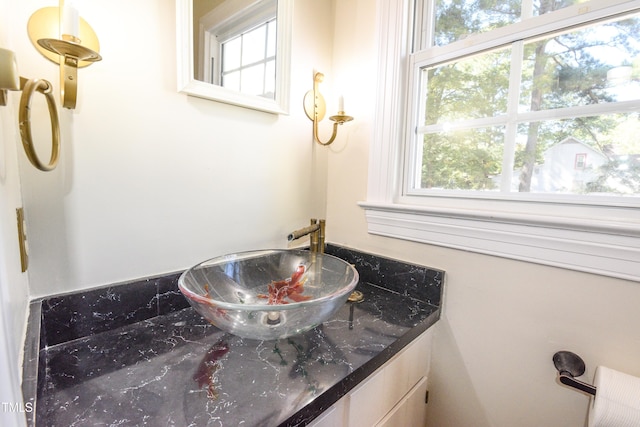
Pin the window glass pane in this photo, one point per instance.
(231, 80)
(463, 160)
(474, 87)
(253, 45)
(271, 39)
(597, 155)
(270, 79)
(540, 7)
(580, 139)
(246, 68)
(594, 65)
(231, 54)
(457, 19)
(253, 80)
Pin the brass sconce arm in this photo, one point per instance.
(315, 107)
(333, 134)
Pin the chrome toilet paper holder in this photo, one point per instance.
(569, 366)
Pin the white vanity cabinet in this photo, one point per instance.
(393, 396)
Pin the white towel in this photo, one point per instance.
(617, 399)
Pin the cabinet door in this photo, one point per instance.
(416, 406)
(380, 393)
(376, 398)
(332, 417)
(407, 368)
(368, 402)
(410, 411)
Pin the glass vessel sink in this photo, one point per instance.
(269, 294)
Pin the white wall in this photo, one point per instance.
(503, 320)
(13, 283)
(151, 180)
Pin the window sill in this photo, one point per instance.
(595, 246)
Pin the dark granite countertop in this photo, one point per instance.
(92, 365)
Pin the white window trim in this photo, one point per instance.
(602, 240)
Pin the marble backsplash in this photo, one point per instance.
(72, 316)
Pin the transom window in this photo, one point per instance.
(511, 96)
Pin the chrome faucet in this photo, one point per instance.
(316, 235)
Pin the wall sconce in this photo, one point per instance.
(63, 37)
(315, 107)
(9, 79)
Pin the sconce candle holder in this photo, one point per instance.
(315, 107)
(70, 51)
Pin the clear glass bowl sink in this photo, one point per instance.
(269, 294)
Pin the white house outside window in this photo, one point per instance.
(521, 123)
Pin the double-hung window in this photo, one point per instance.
(520, 130)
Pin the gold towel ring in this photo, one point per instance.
(45, 88)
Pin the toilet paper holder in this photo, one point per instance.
(569, 366)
